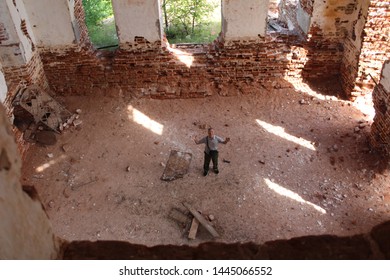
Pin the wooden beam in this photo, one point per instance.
(178, 216)
(201, 220)
(193, 229)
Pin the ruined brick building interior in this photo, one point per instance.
(300, 86)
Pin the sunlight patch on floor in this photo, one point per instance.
(46, 165)
(279, 131)
(305, 88)
(365, 105)
(142, 119)
(290, 194)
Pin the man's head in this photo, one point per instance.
(210, 132)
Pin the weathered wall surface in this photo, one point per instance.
(380, 130)
(375, 48)
(78, 21)
(153, 70)
(137, 18)
(25, 230)
(374, 245)
(3, 86)
(22, 40)
(44, 21)
(352, 47)
(244, 20)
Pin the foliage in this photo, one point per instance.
(103, 35)
(188, 19)
(100, 22)
(96, 11)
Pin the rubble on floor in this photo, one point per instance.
(177, 165)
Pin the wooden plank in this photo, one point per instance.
(202, 220)
(193, 229)
(178, 216)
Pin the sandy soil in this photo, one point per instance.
(297, 167)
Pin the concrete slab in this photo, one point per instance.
(177, 165)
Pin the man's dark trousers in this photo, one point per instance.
(212, 155)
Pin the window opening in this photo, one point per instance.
(100, 21)
(191, 21)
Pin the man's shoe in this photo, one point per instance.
(216, 171)
(205, 173)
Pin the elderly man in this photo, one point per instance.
(211, 150)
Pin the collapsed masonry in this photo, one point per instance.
(348, 39)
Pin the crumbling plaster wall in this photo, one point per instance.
(21, 35)
(25, 230)
(3, 85)
(375, 48)
(244, 20)
(137, 18)
(380, 130)
(18, 53)
(51, 27)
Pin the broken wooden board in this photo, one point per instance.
(193, 229)
(201, 220)
(177, 165)
(178, 216)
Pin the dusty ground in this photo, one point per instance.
(322, 179)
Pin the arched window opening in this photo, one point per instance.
(100, 21)
(191, 21)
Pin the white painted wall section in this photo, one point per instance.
(137, 18)
(51, 22)
(385, 78)
(3, 86)
(325, 13)
(244, 19)
(12, 50)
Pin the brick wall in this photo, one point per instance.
(3, 33)
(380, 130)
(152, 70)
(376, 45)
(375, 49)
(31, 73)
(82, 27)
(307, 6)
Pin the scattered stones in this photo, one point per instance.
(225, 160)
(335, 147)
(65, 148)
(78, 111)
(77, 123)
(357, 129)
(51, 203)
(211, 217)
(262, 161)
(362, 125)
(302, 101)
(128, 169)
(162, 164)
(50, 155)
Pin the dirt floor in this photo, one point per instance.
(298, 166)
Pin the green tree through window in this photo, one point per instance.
(195, 21)
(99, 18)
